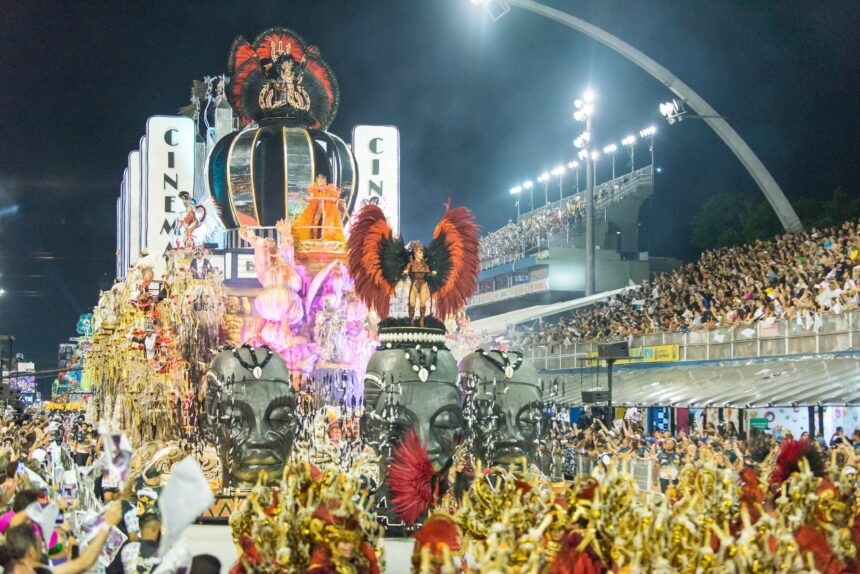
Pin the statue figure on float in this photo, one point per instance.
(279, 305)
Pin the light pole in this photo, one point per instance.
(530, 186)
(610, 150)
(559, 173)
(515, 191)
(544, 179)
(574, 165)
(630, 142)
(649, 133)
(583, 113)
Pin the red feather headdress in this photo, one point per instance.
(411, 479)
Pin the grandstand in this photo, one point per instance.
(540, 259)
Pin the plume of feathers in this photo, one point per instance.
(411, 479)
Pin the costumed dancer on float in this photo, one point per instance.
(200, 221)
(279, 305)
(444, 271)
(323, 218)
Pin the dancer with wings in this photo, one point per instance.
(444, 271)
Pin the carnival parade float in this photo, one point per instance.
(320, 370)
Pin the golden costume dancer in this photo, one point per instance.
(322, 219)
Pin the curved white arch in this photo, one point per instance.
(730, 137)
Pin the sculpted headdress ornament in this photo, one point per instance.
(280, 76)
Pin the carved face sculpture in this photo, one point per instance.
(250, 413)
(426, 401)
(503, 406)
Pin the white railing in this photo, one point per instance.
(826, 334)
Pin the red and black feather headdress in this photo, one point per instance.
(377, 259)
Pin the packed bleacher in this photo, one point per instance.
(799, 277)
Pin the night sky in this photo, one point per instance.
(480, 106)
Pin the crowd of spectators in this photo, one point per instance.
(797, 277)
(591, 441)
(45, 527)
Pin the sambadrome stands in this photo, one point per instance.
(269, 320)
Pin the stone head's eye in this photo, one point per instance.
(281, 415)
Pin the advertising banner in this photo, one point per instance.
(134, 198)
(169, 171)
(377, 156)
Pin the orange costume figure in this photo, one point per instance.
(322, 219)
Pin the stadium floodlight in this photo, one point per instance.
(584, 107)
(583, 154)
(528, 184)
(630, 142)
(558, 170)
(572, 164)
(495, 9)
(673, 111)
(595, 155)
(2, 292)
(648, 132)
(516, 190)
(543, 177)
(610, 150)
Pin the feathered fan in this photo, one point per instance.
(253, 67)
(378, 259)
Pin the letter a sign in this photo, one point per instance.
(169, 171)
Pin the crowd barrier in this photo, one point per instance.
(820, 334)
(645, 471)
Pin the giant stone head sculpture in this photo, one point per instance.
(250, 411)
(411, 384)
(502, 406)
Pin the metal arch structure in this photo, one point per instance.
(730, 137)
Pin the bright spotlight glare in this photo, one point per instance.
(528, 184)
(588, 96)
(649, 131)
(629, 140)
(611, 148)
(573, 164)
(595, 155)
(583, 154)
(515, 190)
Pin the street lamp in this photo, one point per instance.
(630, 142)
(574, 165)
(516, 191)
(559, 173)
(610, 150)
(583, 111)
(529, 185)
(544, 179)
